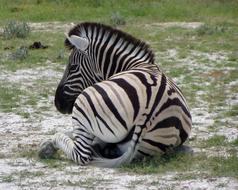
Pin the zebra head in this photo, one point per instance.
(72, 82)
(98, 52)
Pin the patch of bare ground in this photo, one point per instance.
(57, 26)
(185, 25)
(20, 136)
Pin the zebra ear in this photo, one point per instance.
(79, 42)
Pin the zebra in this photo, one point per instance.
(123, 105)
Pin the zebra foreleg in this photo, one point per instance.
(60, 141)
(47, 148)
(72, 148)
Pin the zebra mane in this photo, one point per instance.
(77, 30)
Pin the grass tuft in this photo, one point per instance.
(117, 19)
(61, 54)
(206, 29)
(7, 179)
(95, 3)
(216, 140)
(161, 164)
(184, 162)
(20, 53)
(15, 29)
(235, 142)
(224, 167)
(10, 98)
(233, 56)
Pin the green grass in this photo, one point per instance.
(10, 98)
(23, 174)
(233, 111)
(160, 164)
(224, 167)
(187, 163)
(58, 161)
(100, 10)
(15, 29)
(88, 183)
(215, 35)
(233, 56)
(235, 142)
(34, 57)
(7, 179)
(218, 34)
(28, 153)
(216, 140)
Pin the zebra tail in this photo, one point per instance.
(123, 159)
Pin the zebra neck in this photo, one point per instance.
(114, 57)
(115, 51)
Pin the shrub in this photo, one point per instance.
(20, 53)
(15, 29)
(206, 29)
(117, 19)
(60, 54)
(233, 56)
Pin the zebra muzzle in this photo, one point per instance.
(63, 103)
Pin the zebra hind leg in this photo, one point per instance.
(106, 150)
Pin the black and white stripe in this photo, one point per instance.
(118, 98)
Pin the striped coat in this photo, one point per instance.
(123, 106)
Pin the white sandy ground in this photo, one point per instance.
(19, 134)
(185, 25)
(56, 26)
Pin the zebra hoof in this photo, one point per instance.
(47, 150)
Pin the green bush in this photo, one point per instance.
(206, 29)
(15, 29)
(117, 19)
(20, 53)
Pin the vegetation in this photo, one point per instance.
(215, 140)
(183, 162)
(10, 98)
(202, 60)
(16, 29)
(20, 53)
(116, 19)
(100, 10)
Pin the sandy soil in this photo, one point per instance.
(19, 134)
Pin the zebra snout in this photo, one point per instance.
(62, 102)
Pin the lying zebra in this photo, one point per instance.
(123, 106)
